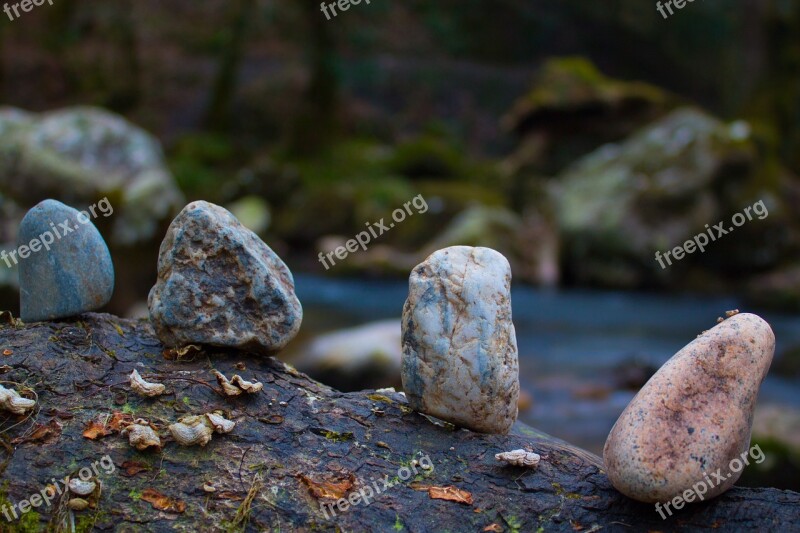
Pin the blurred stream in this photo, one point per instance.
(578, 348)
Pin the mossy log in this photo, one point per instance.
(297, 446)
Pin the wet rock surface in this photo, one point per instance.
(65, 267)
(460, 361)
(694, 416)
(219, 284)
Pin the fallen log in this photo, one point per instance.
(301, 457)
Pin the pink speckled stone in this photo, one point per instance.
(694, 415)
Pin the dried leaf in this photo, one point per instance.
(331, 489)
(450, 493)
(163, 503)
(8, 352)
(495, 527)
(117, 327)
(8, 318)
(119, 420)
(95, 430)
(131, 468)
(43, 434)
(177, 354)
(228, 495)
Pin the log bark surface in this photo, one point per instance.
(297, 445)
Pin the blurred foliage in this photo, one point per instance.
(349, 118)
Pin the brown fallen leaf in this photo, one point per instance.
(229, 495)
(450, 493)
(42, 434)
(178, 354)
(119, 421)
(325, 488)
(8, 352)
(95, 430)
(495, 527)
(131, 468)
(163, 503)
(7, 318)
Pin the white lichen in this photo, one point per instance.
(519, 458)
(145, 388)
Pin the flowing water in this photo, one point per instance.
(578, 348)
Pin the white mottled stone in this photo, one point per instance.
(460, 360)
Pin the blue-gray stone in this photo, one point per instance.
(65, 267)
(460, 360)
(219, 284)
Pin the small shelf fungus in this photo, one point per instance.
(145, 388)
(237, 385)
(519, 458)
(142, 436)
(78, 504)
(220, 423)
(80, 487)
(10, 400)
(198, 429)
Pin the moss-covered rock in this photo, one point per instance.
(620, 204)
(573, 108)
(776, 430)
(358, 182)
(83, 154)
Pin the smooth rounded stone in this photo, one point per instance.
(460, 360)
(69, 271)
(694, 415)
(219, 284)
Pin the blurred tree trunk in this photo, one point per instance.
(775, 102)
(125, 93)
(219, 109)
(59, 26)
(754, 45)
(3, 32)
(318, 120)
